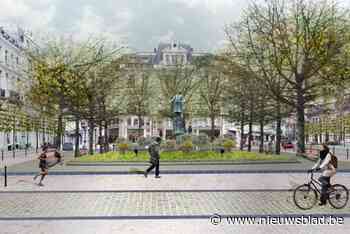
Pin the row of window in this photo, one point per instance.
(174, 59)
(9, 59)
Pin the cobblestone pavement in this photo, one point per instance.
(167, 182)
(32, 166)
(199, 226)
(151, 204)
(89, 206)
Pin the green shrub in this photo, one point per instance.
(187, 146)
(228, 144)
(123, 147)
(185, 138)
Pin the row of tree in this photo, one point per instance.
(282, 57)
(298, 52)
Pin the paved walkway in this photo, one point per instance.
(20, 157)
(266, 181)
(151, 205)
(179, 202)
(29, 168)
(183, 226)
(173, 204)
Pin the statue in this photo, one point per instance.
(177, 103)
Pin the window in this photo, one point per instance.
(129, 121)
(167, 59)
(6, 56)
(17, 60)
(136, 122)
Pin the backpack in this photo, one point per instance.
(334, 161)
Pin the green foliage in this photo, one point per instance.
(229, 144)
(123, 147)
(187, 146)
(184, 156)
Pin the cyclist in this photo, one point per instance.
(328, 171)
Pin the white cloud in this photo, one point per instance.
(92, 24)
(141, 24)
(32, 14)
(169, 36)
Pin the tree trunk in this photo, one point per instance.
(91, 136)
(139, 127)
(278, 135)
(300, 117)
(14, 137)
(76, 134)
(106, 148)
(261, 146)
(37, 140)
(212, 127)
(100, 137)
(241, 145)
(44, 138)
(278, 129)
(250, 134)
(59, 132)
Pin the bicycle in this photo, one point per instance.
(305, 196)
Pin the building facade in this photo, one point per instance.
(166, 56)
(15, 131)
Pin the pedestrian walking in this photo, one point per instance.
(153, 150)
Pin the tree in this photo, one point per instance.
(60, 74)
(212, 85)
(139, 95)
(294, 40)
(179, 78)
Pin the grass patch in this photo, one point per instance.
(181, 156)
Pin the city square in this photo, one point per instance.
(202, 116)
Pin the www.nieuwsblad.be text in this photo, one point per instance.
(275, 220)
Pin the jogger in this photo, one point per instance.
(42, 165)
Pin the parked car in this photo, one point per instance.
(287, 145)
(67, 146)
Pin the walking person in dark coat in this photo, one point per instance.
(153, 150)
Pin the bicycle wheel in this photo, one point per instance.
(338, 196)
(305, 197)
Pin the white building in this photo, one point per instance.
(13, 82)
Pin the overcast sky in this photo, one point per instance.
(142, 24)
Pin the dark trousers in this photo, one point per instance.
(325, 184)
(155, 164)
